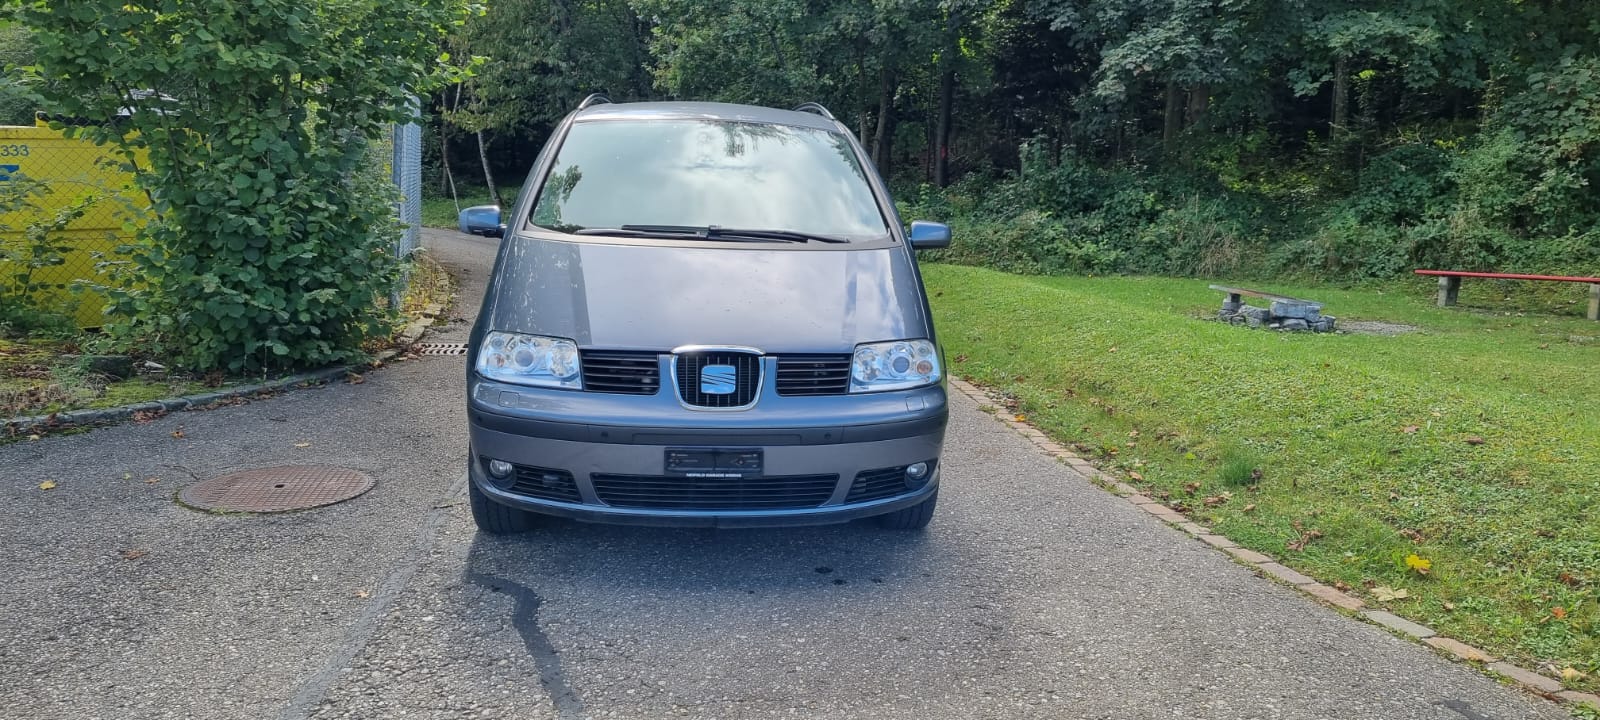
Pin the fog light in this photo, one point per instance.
(916, 474)
(500, 468)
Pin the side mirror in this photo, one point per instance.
(481, 220)
(929, 235)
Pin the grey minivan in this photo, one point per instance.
(705, 314)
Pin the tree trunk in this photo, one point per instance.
(947, 92)
(1339, 123)
(447, 179)
(1173, 119)
(1199, 102)
(861, 127)
(883, 142)
(488, 177)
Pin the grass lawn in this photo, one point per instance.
(1471, 446)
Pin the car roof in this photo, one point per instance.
(726, 112)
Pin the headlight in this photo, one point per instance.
(894, 366)
(530, 360)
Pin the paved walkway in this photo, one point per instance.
(1033, 594)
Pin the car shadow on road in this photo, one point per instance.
(689, 584)
(699, 560)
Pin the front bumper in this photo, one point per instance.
(586, 446)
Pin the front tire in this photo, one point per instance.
(915, 517)
(492, 517)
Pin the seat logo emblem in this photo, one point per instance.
(717, 379)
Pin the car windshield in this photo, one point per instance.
(703, 173)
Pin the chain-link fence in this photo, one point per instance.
(65, 208)
(406, 171)
(68, 210)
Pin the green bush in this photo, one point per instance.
(271, 240)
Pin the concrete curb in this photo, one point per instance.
(1541, 685)
(106, 416)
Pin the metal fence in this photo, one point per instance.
(66, 207)
(406, 172)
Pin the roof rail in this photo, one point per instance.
(594, 99)
(812, 107)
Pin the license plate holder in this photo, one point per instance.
(714, 462)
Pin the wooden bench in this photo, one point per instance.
(1450, 285)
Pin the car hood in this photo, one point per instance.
(655, 297)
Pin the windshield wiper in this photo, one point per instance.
(710, 232)
(785, 235)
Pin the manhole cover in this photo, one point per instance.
(276, 489)
(441, 348)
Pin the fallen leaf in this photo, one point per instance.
(302, 445)
(1112, 350)
(1022, 418)
(1571, 674)
(1191, 488)
(1134, 475)
(1341, 586)
(33, 437)
(47, 485)
(1475, 440)
(151, 480)
(1449, 605)
(1369, 583)
(363, 594)
(1558, 612)
(1216, 500)
(178, 433)
(1305, 538)
(354, 379)
(1133, 433)
(1384, 593)
(127, 476)
(1418, 563)
(1416, 537)
(961, 358)
(134, 554)
(1255, 475)
(1409, 429)
(1250, 508)
(1566, 578)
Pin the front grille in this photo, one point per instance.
(879, 484)
(813, 374)
(544, 483)
(627, 372)
(746, 378)
(681, 493)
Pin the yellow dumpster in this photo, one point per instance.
(65, 172)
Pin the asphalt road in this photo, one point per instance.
(1033, 594)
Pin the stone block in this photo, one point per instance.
(117, 366)
(1526, 677)
(1293, 309)
(1460, 649)
(1285, 574)
(1395, 622)
(1332, 596)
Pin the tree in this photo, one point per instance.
(271, 241)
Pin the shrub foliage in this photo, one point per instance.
(271, 243)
